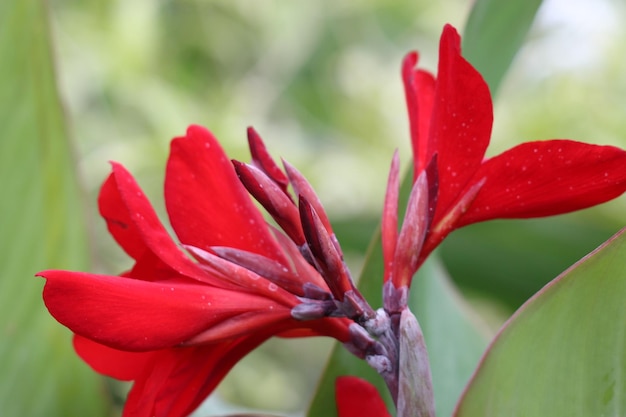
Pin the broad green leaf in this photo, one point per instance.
(563, 354)
(41, 226)
(494, 32)
(511, 260)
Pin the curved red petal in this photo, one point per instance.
(537, 179)
(179, 380)
(419, 91)
(207, 204)
(389, 223)
(135, 224)
(462, 120)
(118, 219)
(356, 397)
(135, 315)
(118, 364)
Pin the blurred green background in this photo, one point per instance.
(320, 82)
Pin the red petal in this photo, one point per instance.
(389, 223)
(117, 364)
(119, 222)
(358, 398)
(462, 119)
(180, 379)
(537, 179)
(136, 226)
(134, 315)
(262, 160)
(419, 90)
(207, 204)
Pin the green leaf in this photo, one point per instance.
(511, 260)
(494, 32)
(563, 354)
(42, 226)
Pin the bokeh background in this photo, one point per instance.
(320, 82)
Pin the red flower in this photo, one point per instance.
(176, 326)
(450, 120)
(355, 397)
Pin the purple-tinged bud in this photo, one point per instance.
(272, 198)
(327, 260)
(361, 343)
(265, 267)
(262, 160)
(415, 390)
(313, 310)
(354, 306)
(381, 364)
(412, 234)
(395, 299)
(378, 325)
(314, 292)
(241, 276)
(304, 189)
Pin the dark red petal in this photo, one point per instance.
(137, 224)
(179, 380)
(328, 259)
(537, 179)
(303, 188)
(305, 272)
(135, 315)
(118, 364)
(419, 90)
(412, 233)
(389, 223)
(356, 397)
(273, 199)
(207, 204)
(462, 119)
(262, 160)
(119, 221)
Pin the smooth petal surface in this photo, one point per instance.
(462, 119)
(389, 222)
(178, 380)
(207, 204)
(563, 353)
(356, 397)
(119, 221)
(136, 315)
(537, 179)
(419, 90)
(118, 364)
(136, 226)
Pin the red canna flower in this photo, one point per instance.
(185, 313)
(175, 326)
(355, 397)
(450, 123)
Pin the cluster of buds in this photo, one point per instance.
(375, 335)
